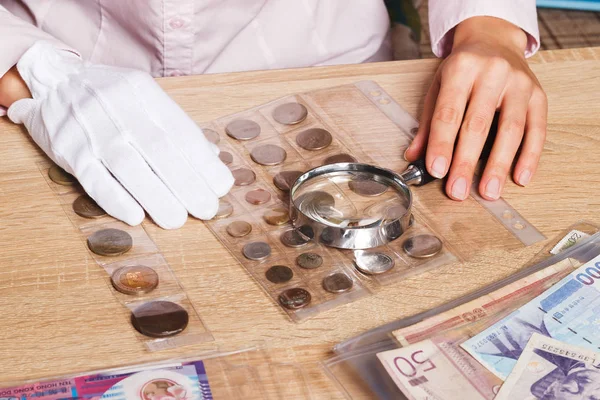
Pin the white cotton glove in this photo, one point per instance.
(128, 144)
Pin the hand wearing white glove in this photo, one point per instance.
(128, 144)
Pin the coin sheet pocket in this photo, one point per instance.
(82, 210)
(246, 126)
(289, 113)
(57, 179)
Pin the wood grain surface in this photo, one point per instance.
(59, 316)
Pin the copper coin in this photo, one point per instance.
(226, 157)
(337, 283)
(134, 280)
(239, 229)
(86, 207)
(422, 246)
(294, 298)
(242, 129)
(159, 319)
(256, 251)
(373, 263)
(285, 179)
(60, 176)
(290, 113)
(279, 274)
(243, 176)
(211, 135)
(110, 242)
(258, 196)
(293, 238)
(309, 260)
(277, 216)
(314, 139)
(339, 158)
(268, 154)
(225, 209)
(367, 187)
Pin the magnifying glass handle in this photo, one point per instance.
(416, 173)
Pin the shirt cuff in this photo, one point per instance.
(445, 15)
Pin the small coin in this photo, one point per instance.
(367, 187)
(225, 209)
(159, 319)
(290, 113)
(294, 298)
(314, 139)
(86, 207)
(226, 157)
(258, 196)
(422, 246)
(134, 280)
(238, 229)
(373, 263)
(211, 135)
(243, 176)
(337, 283)
(293, 238)
(243, 129)
(339, 158)
(277, 216)
(309, 260)
(279, 274)
(60, 176)
(110, 242)
(256, 251)
(285, 179)
(268, 154)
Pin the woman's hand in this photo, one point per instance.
(486, 70)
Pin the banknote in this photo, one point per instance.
(569, 311)
(553, 370)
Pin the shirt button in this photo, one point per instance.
(176, 23)
(176, 72)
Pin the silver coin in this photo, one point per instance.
(290, 113)
(256, 251)
(422, 246)
(268, 154)
(243, 129)
(373, 263)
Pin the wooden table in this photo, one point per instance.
(59, 316)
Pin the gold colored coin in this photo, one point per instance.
(277, 216)
(239, 229)
(134, 280)
(258, 197)
(60, 176)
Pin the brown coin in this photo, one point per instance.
(86, 207)
(367, 187)
(309, 260)
(279, 274)
(239, 229)
(211, 135)
(243, 176)
(226, 157)
(290, 113)
(337, 283)
(110, 242)
(277, 216)
(268, 154)
(285, 179)
(225, 209)
(339, 158)
(314, 139)
(256, 251)
(258, 196)
(134, 280)
(293, 238)
(294, 298)
(242, 129)
(159, 319)
(422, 246)
(60, 176)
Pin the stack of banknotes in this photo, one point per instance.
(538, 338)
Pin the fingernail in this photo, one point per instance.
(438, 168)
(524, 177)
(492, 189)
(406, 151)
(459, 189)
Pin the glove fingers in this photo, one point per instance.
(20, 111)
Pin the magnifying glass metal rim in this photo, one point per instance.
(353, 237)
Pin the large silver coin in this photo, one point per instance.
(373, 263)
(422, 246)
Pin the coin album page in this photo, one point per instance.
(137, 274)
(267, 149)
